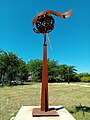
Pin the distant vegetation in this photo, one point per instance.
(14, 70)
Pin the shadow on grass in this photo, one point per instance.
(82, 109)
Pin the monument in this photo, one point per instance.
(44, 23)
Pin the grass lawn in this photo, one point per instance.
(70, 96)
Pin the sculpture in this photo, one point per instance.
(44, 23)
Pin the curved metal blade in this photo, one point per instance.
(49, 41)
(49, 12)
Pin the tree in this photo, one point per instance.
(56, 72)
(12, 68)
(84, 77)
(52, 70)
(23, 71)
(35, 68)
(72, 74)
(67, 73)
(3, 65)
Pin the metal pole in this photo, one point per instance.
(44, 92)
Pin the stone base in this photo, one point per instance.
(25, 113)
(50, 113)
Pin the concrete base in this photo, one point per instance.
(25, 113)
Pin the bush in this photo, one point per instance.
(85, 79)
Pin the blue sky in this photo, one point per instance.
(70, 37)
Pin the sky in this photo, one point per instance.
(70, 38)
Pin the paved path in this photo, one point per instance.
(72, 84)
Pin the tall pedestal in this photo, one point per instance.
(44, 92)
(44, 110)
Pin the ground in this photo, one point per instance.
(74, 97)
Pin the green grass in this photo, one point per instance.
(12, 98)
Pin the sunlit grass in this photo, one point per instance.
(12, 98)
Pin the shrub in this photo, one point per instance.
(85, 79)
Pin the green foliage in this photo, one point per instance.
(84, 74)
(11, 68)
(23, 71)
(35, 68)
(52, 70)
(56, 72)
(85, 79)
(14, 69)
(67, 73)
